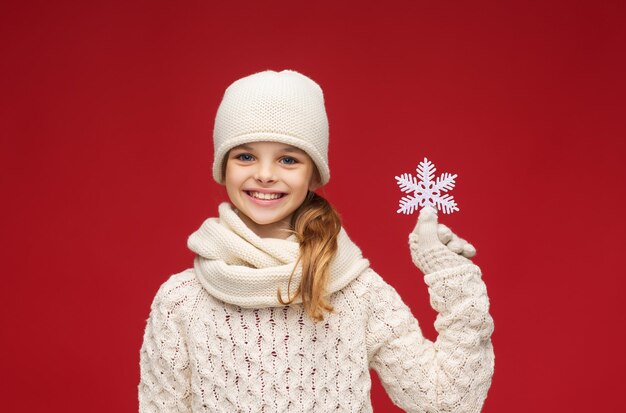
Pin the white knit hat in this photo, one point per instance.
(285, 107)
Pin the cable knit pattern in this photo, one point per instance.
(454, 373)
(204, 354)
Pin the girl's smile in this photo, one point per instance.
(261, 195)
(267, 182)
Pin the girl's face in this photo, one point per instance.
(267, 182)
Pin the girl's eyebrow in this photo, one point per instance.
(243, 147)
(292, 149)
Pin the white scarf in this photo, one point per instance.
(237, 266)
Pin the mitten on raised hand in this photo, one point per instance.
(435, 247)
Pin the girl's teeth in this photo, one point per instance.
(261, 195)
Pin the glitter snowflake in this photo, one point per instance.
(426, 192)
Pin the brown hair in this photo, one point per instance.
(316, 225)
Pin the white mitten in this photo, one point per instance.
(435, 247)
(454, 242)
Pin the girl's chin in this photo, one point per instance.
(267, 219)
(271, 221)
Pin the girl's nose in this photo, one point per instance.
(265, 173)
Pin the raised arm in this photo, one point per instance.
(454, 373)
(164, 363)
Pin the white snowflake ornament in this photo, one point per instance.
(426, 192)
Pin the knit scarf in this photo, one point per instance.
(237, 266)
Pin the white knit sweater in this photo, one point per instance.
(218, 341)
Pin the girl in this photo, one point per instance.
(280, 312)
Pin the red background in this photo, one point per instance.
(106, 118)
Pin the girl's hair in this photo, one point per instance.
(316, 225)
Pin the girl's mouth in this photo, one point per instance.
(265, 196)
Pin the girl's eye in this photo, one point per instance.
(246, 157)
(288, 160)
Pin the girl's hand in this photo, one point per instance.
(454, 242)
(434, 246)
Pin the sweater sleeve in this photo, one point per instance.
(452, 374)
(164, 362)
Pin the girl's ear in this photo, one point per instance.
(314, 185)
(224, 164)
(315, 181)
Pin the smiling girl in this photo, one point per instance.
(281, 312)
